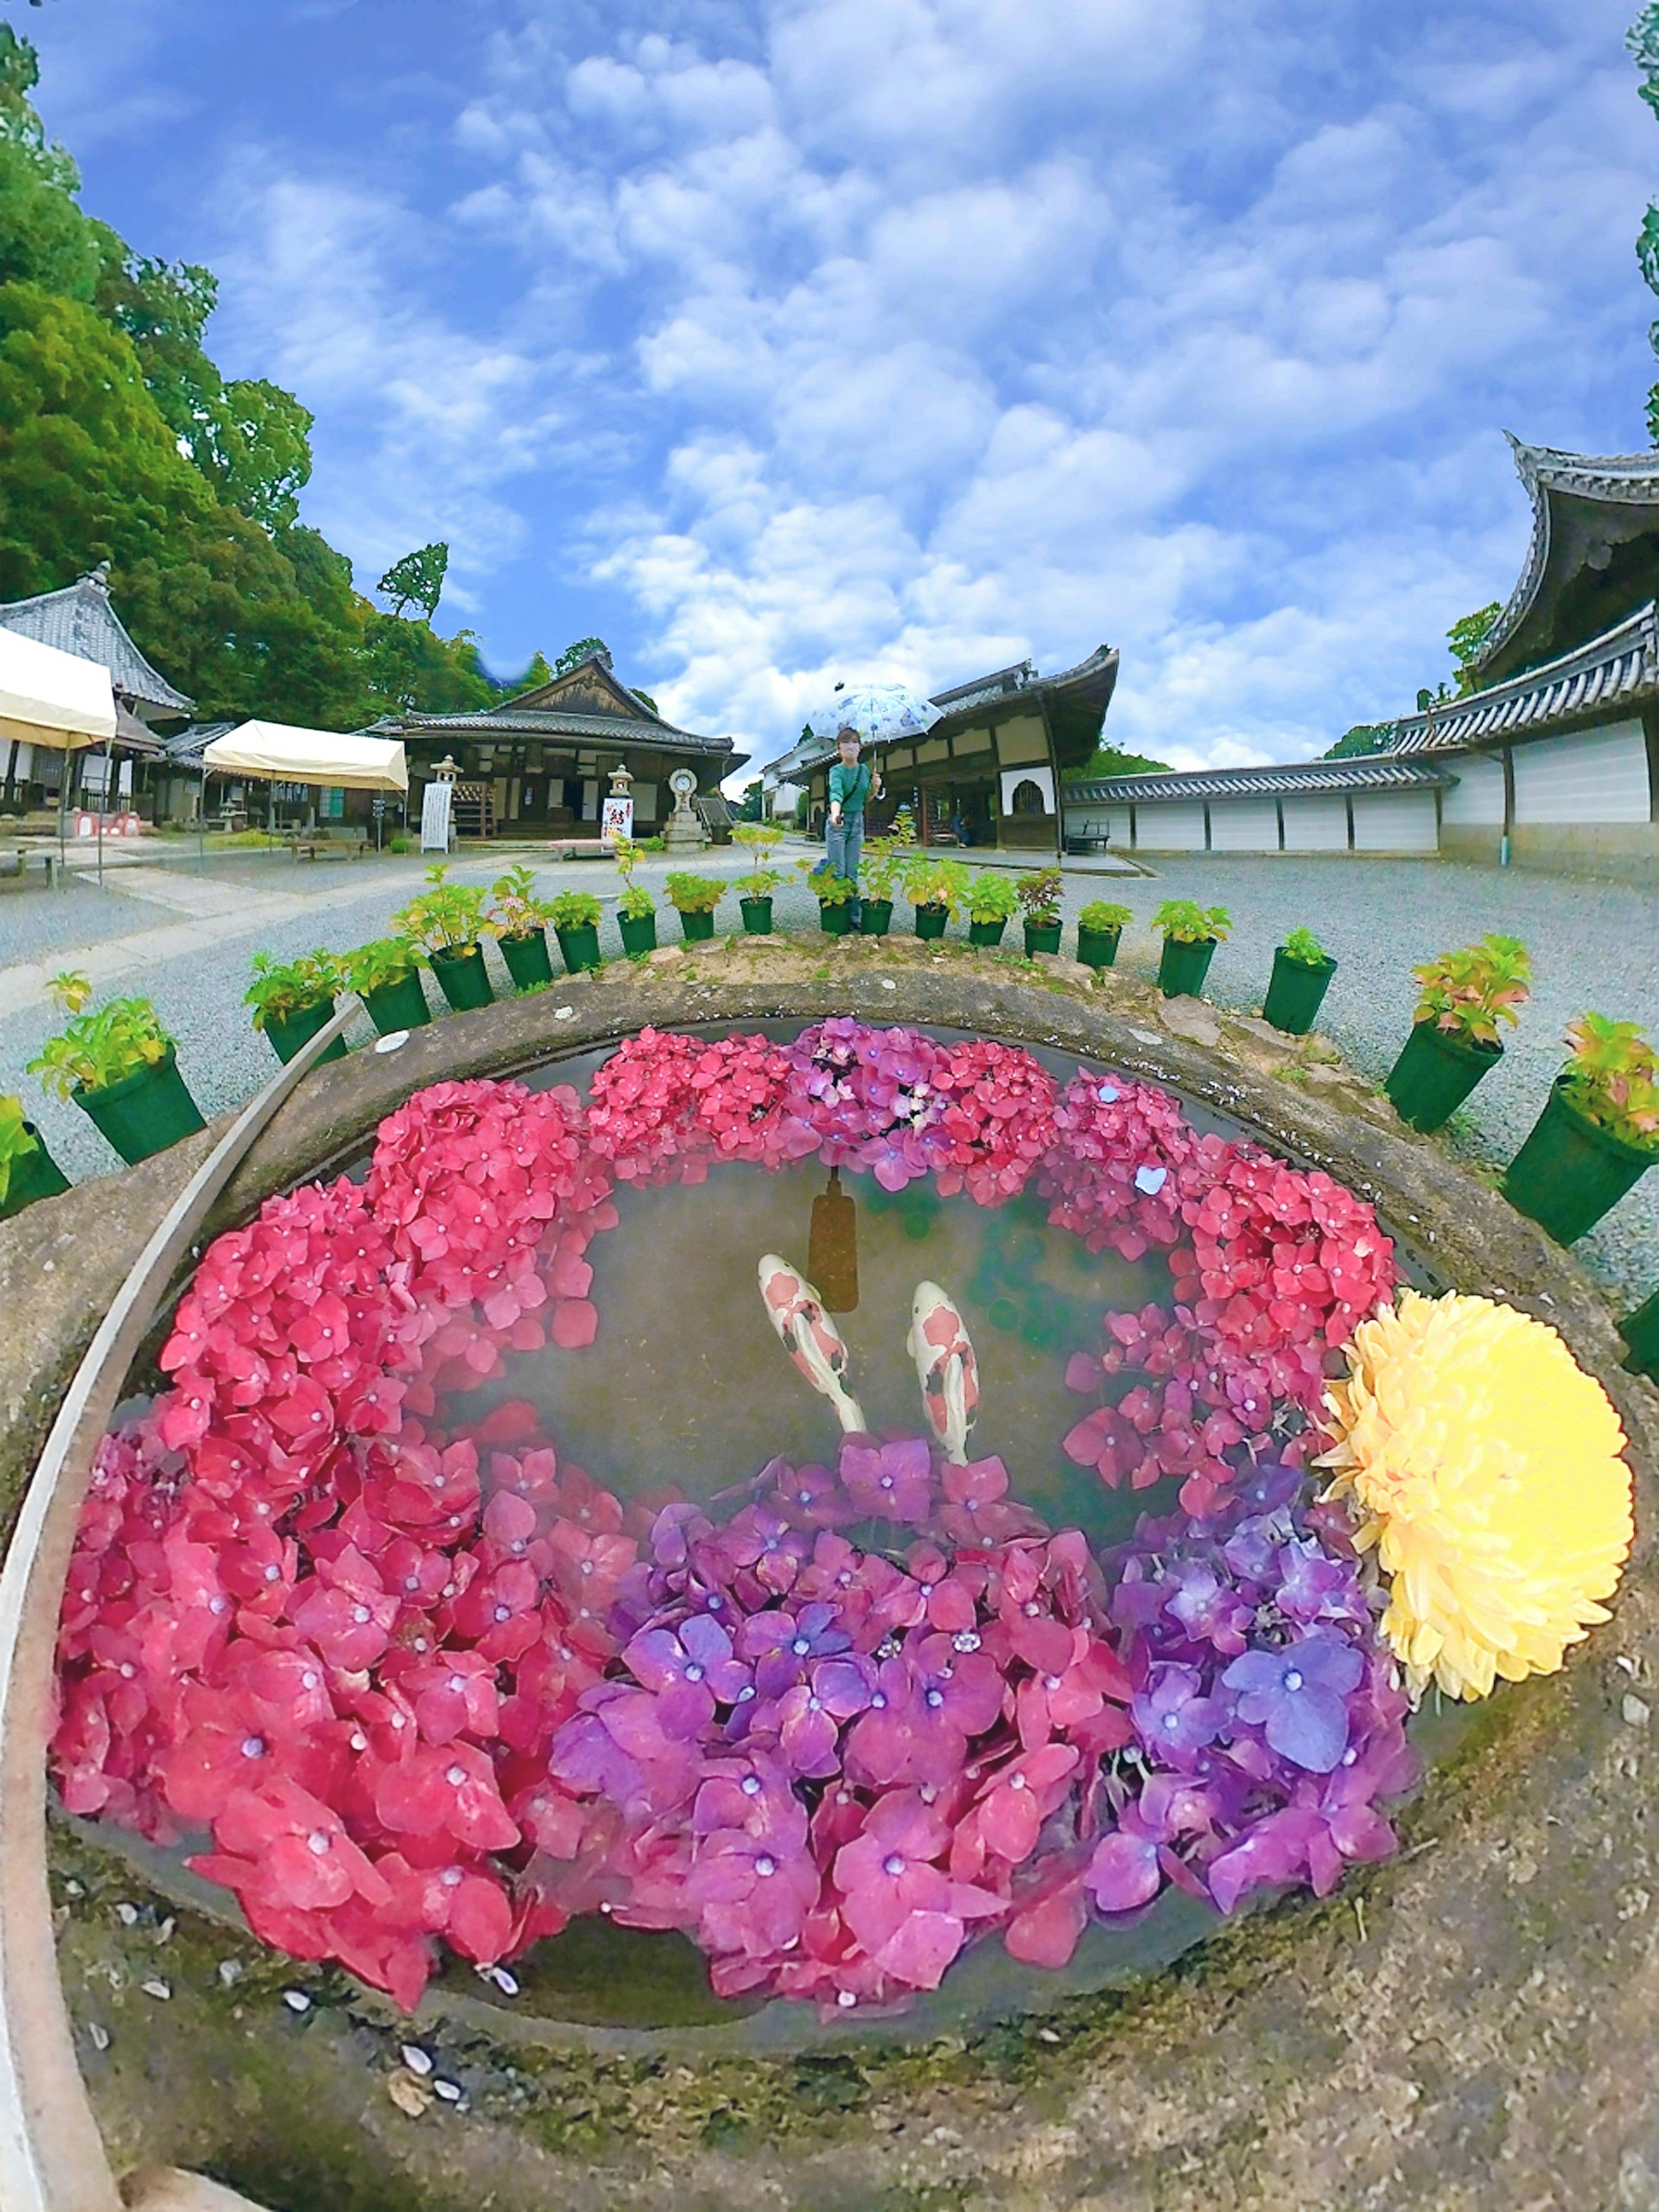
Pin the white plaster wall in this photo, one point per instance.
(1315, 821)
(1595, 776)
(1243, 825)
(1039, 773)
(1171, 826)
(1395, 822)
(1476, 802)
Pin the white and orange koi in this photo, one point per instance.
(946, 1367)
(808, 1335)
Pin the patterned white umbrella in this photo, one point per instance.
(880, 713)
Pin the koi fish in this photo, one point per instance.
(808, 1335)
(946, 1367)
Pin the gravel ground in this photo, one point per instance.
(1593, 944)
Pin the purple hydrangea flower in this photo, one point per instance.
(1297, 1696)
(1174, 1719)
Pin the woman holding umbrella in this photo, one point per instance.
(850, 784)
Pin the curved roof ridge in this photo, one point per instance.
(79, 619)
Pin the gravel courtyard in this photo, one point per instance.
(184, 933)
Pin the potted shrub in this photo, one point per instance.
(1301, 969)
(755, 888)
(447, 919)
(519, 921)
(293, 999)
(387, 976)
(28, 1170)
(938, 890)
(835, 894)
(636, 910)
(881, 873)
(1099, 928)
(117, 1067)
(1191, 934)
(1454, 1039)
(991, 902)
(693, 898)
(575, 918)
(1598, 1133)
(1039, 894)
(1640, 1331)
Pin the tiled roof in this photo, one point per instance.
(80, 620)
(1621, 666)
(1612, 479)
(185, 749)
(549, 722)
(1366, 771)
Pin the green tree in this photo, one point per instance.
(574, 655)
(1364, 738)
(412, 668)
(417, 580)
(1108, 760)
(754, 801)
(1467, 637)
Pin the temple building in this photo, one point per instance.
(79, 619)
(989, 771)
(1551, 763)
(540, 765)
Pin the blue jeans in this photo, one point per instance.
(843, 846)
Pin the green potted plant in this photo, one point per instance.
(575, 918)
(1598, 1133)
(28, 1170)
(1454, 1039)
(118, 1066)
(755, 888)
(1301, 970)
(636, 910)
(693, 898)
(1040, 891)
(387, 976)
(882, 872)
(448, 921)
(1191, 934)
(835, 894)
(938, 890)
(293, 999)
(1100, 928)
(1640, 1331)
(519, 921)
(991, 902)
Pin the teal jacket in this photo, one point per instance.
(850, 785)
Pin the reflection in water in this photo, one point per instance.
(832, 1255)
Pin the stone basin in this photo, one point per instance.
(1465, 2025)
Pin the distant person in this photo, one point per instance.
(850, 784)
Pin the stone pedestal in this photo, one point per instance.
(684, 832)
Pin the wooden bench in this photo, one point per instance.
(322, 846)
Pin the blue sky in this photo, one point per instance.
(781, 341)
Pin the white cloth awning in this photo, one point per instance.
(286, 755)
(52, 698)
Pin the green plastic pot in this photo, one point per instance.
(639, 933)
(1097, 948)
(579, 947)
(1041, 937)
(1571, 1170)
(527, 959)
(462, 977)
(34, 1175)
(288, 1032)
(757, 916)
(142, 1114)
(1640, 1331)
(987, 932)
(1295, 993)
(931, 921)
(1435, 1074)
(1185, 963)
(399, 1005)
(834, 920)
(877, 918)
(698, 928)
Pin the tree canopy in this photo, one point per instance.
(120, 441)
(1108, 760)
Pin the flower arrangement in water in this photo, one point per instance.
(408, 1680)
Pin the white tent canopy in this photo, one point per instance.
(286, 755)
(52, 698)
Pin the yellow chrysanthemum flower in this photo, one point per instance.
(1485, 1467)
